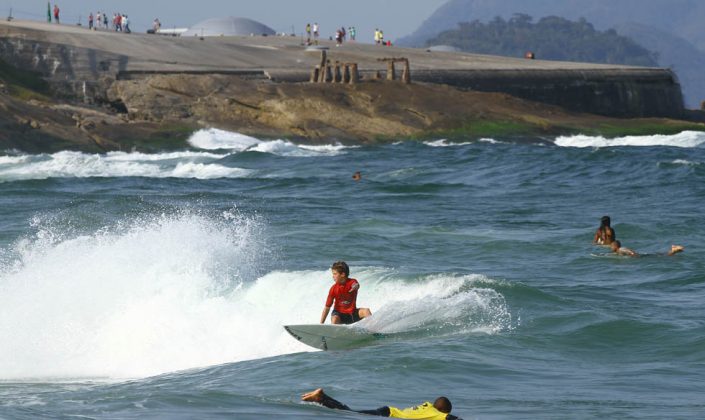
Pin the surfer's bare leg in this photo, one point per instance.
(314, 396)
(364, 312)
(676, 249)
(318, 396)
(335, 319)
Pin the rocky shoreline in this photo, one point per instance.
(161, 111)
(63, 87)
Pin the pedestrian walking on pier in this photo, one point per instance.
(126, 24)
(56, 13)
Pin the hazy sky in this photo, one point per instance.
(396, 17)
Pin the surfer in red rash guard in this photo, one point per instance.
(344, 293)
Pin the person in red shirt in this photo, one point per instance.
(344, 293)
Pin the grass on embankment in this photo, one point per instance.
(22, 84)
(592, 126)
(643, 127)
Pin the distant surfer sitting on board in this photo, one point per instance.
(618, 249)
(439, 410)
(344, 293)
(605, 234)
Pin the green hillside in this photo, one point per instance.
(551, 38)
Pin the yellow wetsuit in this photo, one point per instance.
(425, 411)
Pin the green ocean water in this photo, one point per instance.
(156, 286)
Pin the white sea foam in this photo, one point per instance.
(438, 143)
(685, 162)
(129, 301)
(155, 157)
(117, 164)
(176, 292)
(13, 160)
(447, 143)
(444, 143)
(212, 139)
(686, 139)
(285, 148)
(327, 148)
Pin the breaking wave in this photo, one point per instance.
(172, 292)
(686, 139)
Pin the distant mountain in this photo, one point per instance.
(682, 20)
(681, 56)
(551, 38)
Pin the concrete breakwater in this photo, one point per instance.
(83, 64)
(627, 93)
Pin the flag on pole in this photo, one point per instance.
(49, 12)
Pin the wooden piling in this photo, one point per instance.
(390, 70)
(354, 74)
(337, 77)
(323, 66)
(328, 77)
(406, 73)
(346, 73)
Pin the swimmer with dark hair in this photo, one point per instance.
(604, 235)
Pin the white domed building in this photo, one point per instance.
(229, 26)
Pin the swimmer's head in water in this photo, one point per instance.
(605, 221)
(616, 245)
(443, 405)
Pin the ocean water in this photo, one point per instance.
(156, 286)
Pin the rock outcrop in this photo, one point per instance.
(63, 87)
(161, 111)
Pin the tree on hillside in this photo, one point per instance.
(551, 38)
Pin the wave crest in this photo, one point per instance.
(685, 139)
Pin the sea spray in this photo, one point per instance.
(215, 139)
(198, 165)
(684, 139)
(213, 164)
(146, 296)
(182, 291)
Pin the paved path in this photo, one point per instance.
(154, 52)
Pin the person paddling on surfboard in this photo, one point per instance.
(439, 410)
(618, 249)
(344, 293)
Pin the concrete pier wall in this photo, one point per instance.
(82, 64)
(72, 72)
(626, 93)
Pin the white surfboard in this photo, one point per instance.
(332, 337)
